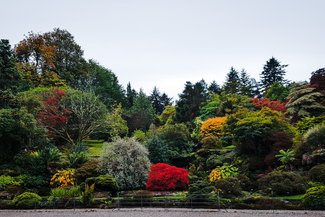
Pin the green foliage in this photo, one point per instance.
(305, 101)
(211, 108)
(315, 198)
(104, 83)
(115, 125)
(64, 193)
(139, 135)
(200, 189)
(88, 169)
(312, 141)
(127, 161)
(18, 130)
(168, 115)
(279, 183)
(104, 183)
(158, 150)
(27, 200)
(228, 187)
(232, 84)
(308, 122)
(7, 180)
(285, 156)
(317, 173)
(33, 181)
(273, 72)
(141, 114)
(278, 91)
(190, 101)
(87, 196)
(159, 101)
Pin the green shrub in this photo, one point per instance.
(64, 193)
(200, 189)
(88, 169)
(281, 183)
(229, 187)
(104, 183)
(27, 200)
(7, 180)
(87, 197)
(315, 198)
(317, 173)
(30, 181)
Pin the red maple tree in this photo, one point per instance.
(164, 177)
(276, 105)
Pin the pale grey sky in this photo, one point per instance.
(168, 42)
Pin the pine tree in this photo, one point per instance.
(246, 84)
(232, 83)
(272, 72)
(214, 87)
(130, 95)
(9, 76)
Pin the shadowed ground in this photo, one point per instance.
(157, 213)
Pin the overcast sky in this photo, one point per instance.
(165, 43)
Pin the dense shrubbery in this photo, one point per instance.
(315, 198)
(282, 183)
(163, 177)
(228, 187)
(317, 173)
(27, 200)
(104, 183)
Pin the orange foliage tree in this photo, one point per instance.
(212, 127)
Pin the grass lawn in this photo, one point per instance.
(94, 147)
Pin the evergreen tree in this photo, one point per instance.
(165, 100)
(232, 83)
(9, 76)
(214, 87)
(246, 84)
(188, 106)
(130, 95)
(272, 72)
(141, 114)
(155, 99)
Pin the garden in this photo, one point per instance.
(71, 136)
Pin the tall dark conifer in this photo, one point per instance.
(272, 72)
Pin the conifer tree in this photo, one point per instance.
(272, 72)
(232, 83)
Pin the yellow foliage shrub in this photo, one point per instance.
(212, 127)
(215, 175)
(63, 178)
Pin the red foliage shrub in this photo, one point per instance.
(53, 115)
(276, 105)
(163, 177)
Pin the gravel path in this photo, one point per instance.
(147, 212)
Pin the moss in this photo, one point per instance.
(315, 198)
(27, 200)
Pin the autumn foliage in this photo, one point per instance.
(63, 178)
(212, 127)
(163, 177)
(276, 105)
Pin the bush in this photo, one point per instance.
(88, 169)
(127, 161)
(213, 127)
(317, 173)
(87, 197)
(312, 140)
(104, 183)
(163, 177)
(315, 198)
(64, 193)
(282, 183)
(229, 187)
(200, 189)
(30, 181)
(63, 178)
(7, 180)
(27, 200)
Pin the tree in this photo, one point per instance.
(305, 101)
(278, 91)
(141, 114)
(168, 115)
(9, 76)
(276, 105)
(213, 127)
(10, 79)
(272, 72)
(104, 83)
(163, 177)
(130, 95)
(71, 116)
(52, 58)
(190, 101)
(246, 85)
(232, 84)
(18, 130)
(214, 88)
(159, 101)
(127, 161)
